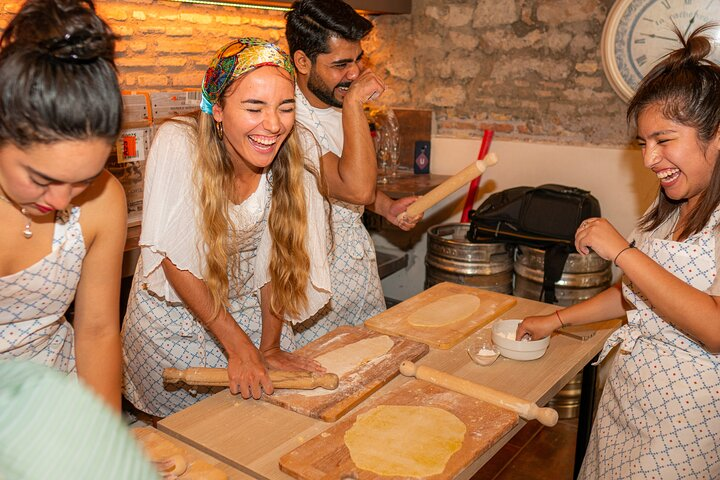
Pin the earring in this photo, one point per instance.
(219, 130)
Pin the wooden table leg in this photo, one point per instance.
(586, 414)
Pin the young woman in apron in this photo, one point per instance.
(227, 259)
(63, 215)
(659, 415)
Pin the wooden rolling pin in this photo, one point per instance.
(524, 408)
(450, 185)
(217, 377)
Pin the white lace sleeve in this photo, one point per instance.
(169, 225)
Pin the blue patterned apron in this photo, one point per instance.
(356, 288)
(158, 334)
(659, 415)
(33, 301)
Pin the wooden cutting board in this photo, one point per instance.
(356, 385)
(393, 321)
(325, 456)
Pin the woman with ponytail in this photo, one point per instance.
(659, 415)
(63, 215)
(228, 260)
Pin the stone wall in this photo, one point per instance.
(528, 69)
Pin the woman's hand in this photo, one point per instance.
(278, 359)
(537, 327)
(248, 374)
(600, 236)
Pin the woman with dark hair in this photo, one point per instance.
(659, 415)
(63, 214)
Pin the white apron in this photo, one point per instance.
(659, 415)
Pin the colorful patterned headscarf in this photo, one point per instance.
(236, 58)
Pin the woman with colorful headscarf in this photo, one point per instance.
(226, 255)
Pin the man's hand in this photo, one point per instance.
(366, 87)
(396, 214)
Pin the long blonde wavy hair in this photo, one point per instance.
(287, 222)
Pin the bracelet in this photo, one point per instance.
(630, 245)
(557, 313)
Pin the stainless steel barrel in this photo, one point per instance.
(583, 276)
(452, 258)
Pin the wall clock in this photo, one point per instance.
(638, 33)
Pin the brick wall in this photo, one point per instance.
(529, 69)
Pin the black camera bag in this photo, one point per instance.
(544, 217)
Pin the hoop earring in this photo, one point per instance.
(219, 130)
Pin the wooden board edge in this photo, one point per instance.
(333, 414)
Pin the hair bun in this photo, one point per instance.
(82, 46)
(64, 29)
(695, 48)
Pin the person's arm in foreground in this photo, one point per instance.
(97, 312)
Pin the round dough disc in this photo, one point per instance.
(445, 311)
(404, 441)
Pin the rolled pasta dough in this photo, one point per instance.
(404, 441)
(445, 311)
(345, 359)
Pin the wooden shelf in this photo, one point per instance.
(407, 184)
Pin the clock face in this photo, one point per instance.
(638, 33)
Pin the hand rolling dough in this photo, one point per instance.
(404, 441)
(445, 311)
(346, 359)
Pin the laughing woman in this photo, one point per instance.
(227, 257)
(63, 216)
(659, 415)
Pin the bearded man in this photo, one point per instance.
(324, 37)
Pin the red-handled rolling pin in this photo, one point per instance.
(527, 410)
(217, 377)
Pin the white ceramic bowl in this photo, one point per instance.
(503, 336)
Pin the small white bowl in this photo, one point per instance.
(482, 351)
(503, 336)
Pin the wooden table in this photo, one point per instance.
(191, 454)
(252, 435)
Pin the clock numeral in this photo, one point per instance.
(666, 4)
(641, 60)
(639, 41)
